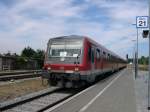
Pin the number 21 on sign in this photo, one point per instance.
(142, 21)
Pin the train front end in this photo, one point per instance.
(63, 61)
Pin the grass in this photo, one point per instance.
(16, 89)
(143, 67)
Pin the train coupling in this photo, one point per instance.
(45, 74)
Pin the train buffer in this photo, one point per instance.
(114, 94)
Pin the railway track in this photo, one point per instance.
(6, 76)
(18, 72)
(38, 102)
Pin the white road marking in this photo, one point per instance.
(51, 109)
(60, 104)
(99, 94)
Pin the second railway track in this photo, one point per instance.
(39, 102)
(19, 75)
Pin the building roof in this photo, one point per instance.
(6, 56)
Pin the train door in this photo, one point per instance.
(0, 64)
(93, 58)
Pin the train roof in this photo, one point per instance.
(112, 53)
(85, 37)
(68, 37)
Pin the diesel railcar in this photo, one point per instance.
(73, 61)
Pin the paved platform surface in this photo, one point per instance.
(114, 94)
(141, 90)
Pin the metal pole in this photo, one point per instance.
(136, 57)
(135, 64)
(133, 58)
(137, 51)
(149, 62)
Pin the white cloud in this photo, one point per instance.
(19, 25)
(122, 14)
(33, 22)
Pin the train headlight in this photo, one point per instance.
(76, 69)
(49, 68)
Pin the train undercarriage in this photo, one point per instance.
(71, 80)
(64, 80)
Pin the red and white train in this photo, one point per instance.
(73, 61)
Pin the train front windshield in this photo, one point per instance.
(65, 49)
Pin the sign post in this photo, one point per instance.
(144, 22)
(141, 22)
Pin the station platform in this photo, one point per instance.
(113, 94)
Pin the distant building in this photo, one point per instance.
(7, 62)
(29, 64)
(12, 63)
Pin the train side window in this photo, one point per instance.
(92, 55)
(98, 54)
(111, 57)
(108, 56)
(104, 54)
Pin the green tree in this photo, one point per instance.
(143, 60)
(21, 62)
(33, 55)
(147, 58)
(28, 52)
(39, 56)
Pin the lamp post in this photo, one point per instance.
(145, 35)
(149, 62)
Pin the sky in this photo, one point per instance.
(109, 22)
